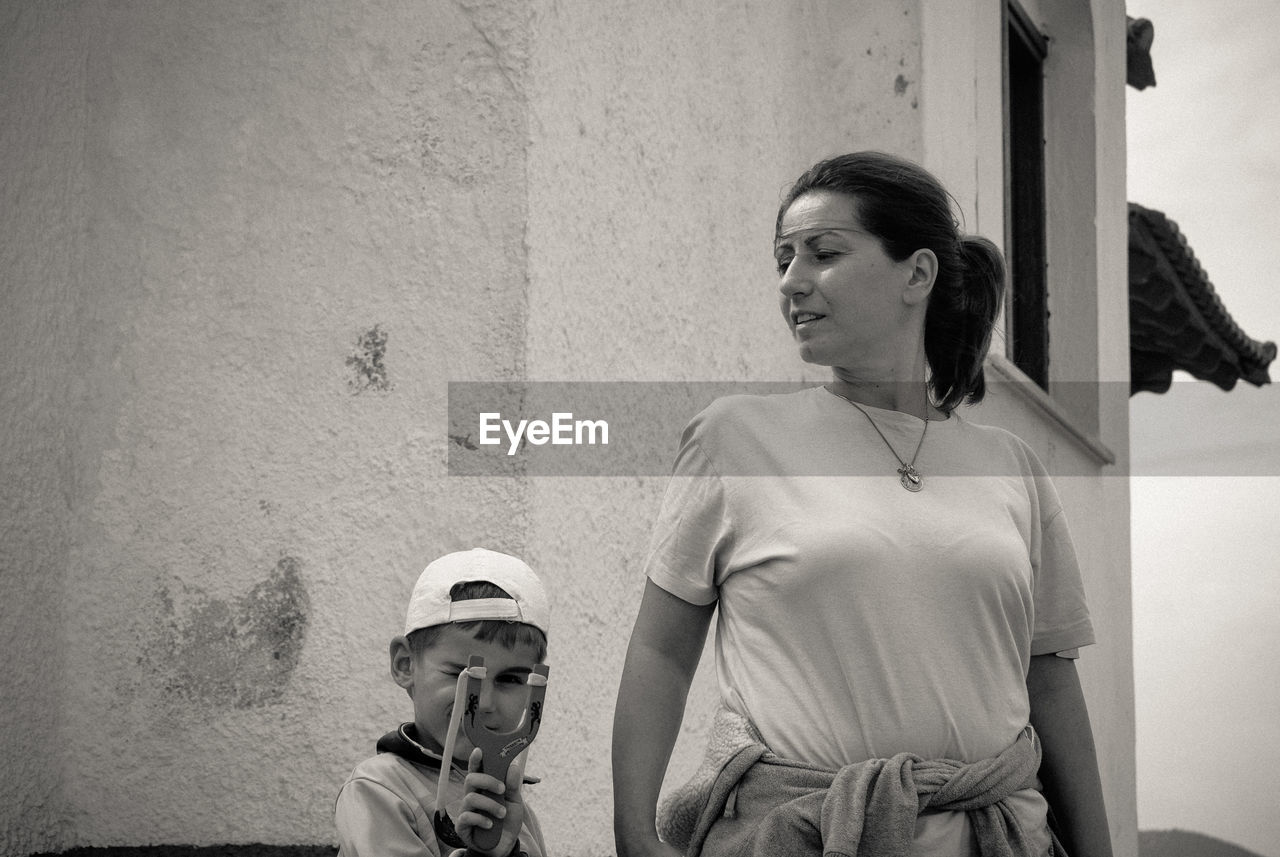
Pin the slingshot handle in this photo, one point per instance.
(500, 748)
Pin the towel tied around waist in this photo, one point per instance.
(867, 809)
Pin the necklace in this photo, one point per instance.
(907, 473)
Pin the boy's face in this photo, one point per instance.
(431, 678)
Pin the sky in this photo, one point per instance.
(1204, 148)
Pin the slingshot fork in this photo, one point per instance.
(500, 749)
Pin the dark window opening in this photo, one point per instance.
(1028, 306)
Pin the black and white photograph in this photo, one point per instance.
(689, 428)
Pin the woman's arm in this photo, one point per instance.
(1069, 769)
(662, 657)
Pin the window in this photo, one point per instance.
(1025, 49)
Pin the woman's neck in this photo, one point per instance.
(909, 397)
(892, 379)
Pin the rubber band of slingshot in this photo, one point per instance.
(455, 724)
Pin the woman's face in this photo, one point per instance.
(841, 295)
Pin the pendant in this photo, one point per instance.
(910, 478)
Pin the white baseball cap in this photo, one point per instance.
(430, 603)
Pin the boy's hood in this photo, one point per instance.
(403, 742)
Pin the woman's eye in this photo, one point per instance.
(783, 264)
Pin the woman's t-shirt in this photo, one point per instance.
(858, 620)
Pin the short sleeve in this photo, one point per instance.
(1061, 614)
(692, 529)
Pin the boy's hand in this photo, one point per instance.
(488, 802)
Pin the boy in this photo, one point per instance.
(470, 602)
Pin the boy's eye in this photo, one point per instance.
(783, 262)
(510, 679)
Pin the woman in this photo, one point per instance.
(871, 627)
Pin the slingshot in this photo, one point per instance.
(499, 749)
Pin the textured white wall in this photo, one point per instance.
(220, 480)
(246, 245)
(212, 525)
(661, 143)
(41, 226)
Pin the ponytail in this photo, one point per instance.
(958, 323)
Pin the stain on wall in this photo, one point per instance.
(900, 86)
(368, 362)
(233, 653)
(464, 441)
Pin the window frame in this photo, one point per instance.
(1025, 51)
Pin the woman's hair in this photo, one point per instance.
(908, 209)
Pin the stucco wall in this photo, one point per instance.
(246, 245)
(40, 230)
(661, 145)
(225, 478)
